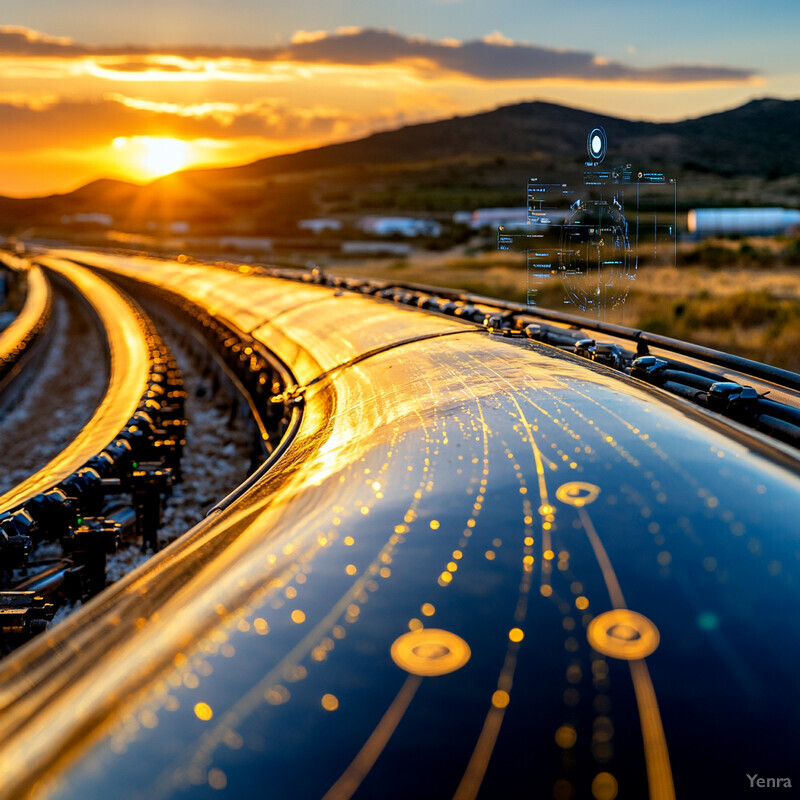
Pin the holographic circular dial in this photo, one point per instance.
(594, 257)
(596, 144)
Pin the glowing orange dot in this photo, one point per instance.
(604, 786)
(434, 524)
(516, 635)
(566, 736)
(582, 603)
(500, 699)
(428, 609)
(330, 702)
(298, 616)
(546, 590)
(203, 711)
(549, 555)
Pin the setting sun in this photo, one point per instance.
(153, 156)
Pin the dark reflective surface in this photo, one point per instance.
(503, 498)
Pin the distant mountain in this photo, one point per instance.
(744, 141)
(747, 155)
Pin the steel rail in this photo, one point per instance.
(18, 340)
(129, 367)
(132, 444)
(476, 551)
(271, 442)
(643, 339)
(572, 333)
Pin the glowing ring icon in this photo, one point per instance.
(596, 143)
(577, 493)
(623, 634)
(429, 652)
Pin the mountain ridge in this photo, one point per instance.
(739, 155)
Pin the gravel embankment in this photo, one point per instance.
(216, 460)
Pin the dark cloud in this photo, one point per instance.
(16, 41)
(92, 123)
(483, 60)
(488, 60)
(144, 66)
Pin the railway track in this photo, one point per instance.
(62, 505)
(66, 528)
(22, 341)
(479, 560)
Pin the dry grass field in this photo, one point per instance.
(748, 306)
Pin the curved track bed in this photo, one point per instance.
(130, 363)
(482, 568)
(64, 389)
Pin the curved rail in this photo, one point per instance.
(129, 371)
(747, 393)
(132, 444)
(17, 340)
(482, 565)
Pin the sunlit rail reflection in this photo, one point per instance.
(482, 567)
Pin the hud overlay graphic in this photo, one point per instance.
(595, 238)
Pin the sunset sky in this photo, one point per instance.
(96, 88)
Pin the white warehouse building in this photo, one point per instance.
(494, 217)
(744, 221)
(402, 226)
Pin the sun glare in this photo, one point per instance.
(153, 156)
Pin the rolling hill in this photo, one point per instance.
(744, 156)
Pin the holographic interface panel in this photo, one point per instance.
(594, 239)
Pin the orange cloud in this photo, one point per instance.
(494, 58)
(89, 123)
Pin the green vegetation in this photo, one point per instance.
(727, 252)
(754, 324)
